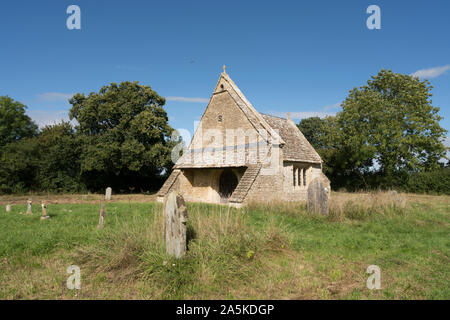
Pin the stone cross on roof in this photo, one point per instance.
(224, 67)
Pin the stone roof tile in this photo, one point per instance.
(297, 147)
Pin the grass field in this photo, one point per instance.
(275, 251)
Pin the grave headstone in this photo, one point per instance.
(175, 224)
(318, 197)
(108, 193)
(102, 215)
(29, 202)
(8, 208)
(44, 212)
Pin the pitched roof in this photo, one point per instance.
(281, 131)
(247, 108)
(297, 147)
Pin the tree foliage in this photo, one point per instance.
(59, 157)
(19, 166)
(390, 123)
(14, 123)
(122, 140)
(387, 131)
(125, 135)
(323, 134)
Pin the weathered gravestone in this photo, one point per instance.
(175, 221)
(8, 208)
(44, 212)
(318, 196)
(29, 207)
(101, 217)
(108, 193)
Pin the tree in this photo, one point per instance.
(125, 135)
(324, 136)
(59, 159)
(14, 123)
(390, 125)
(19, 166)
(313, 130)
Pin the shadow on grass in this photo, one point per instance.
(190, 235)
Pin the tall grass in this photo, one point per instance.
(359, 206)
(223, 249)
(343, 206)
(273, 250)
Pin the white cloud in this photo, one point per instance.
(44, 118)
(303, 114)
(186, 99)
(54, 96)
(447, 142)
(337, 105)
(431, 72)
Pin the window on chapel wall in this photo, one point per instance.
(299, 176)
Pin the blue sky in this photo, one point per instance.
(286, 56)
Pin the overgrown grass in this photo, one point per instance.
(275, 251)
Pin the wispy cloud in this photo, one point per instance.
(303, 114)
(187, 99)
(337, 105)
(44, 118)
(431, 72)
(54, 96)
(447, 142)
(298, 115)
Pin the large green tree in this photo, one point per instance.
(59, 158)
(390, 125)
(19, 165)
(125, 135)
(14, 123)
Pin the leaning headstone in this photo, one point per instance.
(44, 212)
(29, 207)
(318, 196)
(101, 217)
(175, 221)
(108, 193)
(8, 208)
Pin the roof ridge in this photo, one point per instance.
(266, 126)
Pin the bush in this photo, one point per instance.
(437, 181)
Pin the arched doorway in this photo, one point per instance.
(227, 183)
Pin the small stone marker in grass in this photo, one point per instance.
(29, 202)
(8, 208)
(175, 224)
(108, 193)
(101, 217)
(318, 196)
(44, 212)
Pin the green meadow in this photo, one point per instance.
(274, 251)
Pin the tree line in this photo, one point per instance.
(122, 139)
(387, 135)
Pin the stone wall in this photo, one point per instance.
(279, 186)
